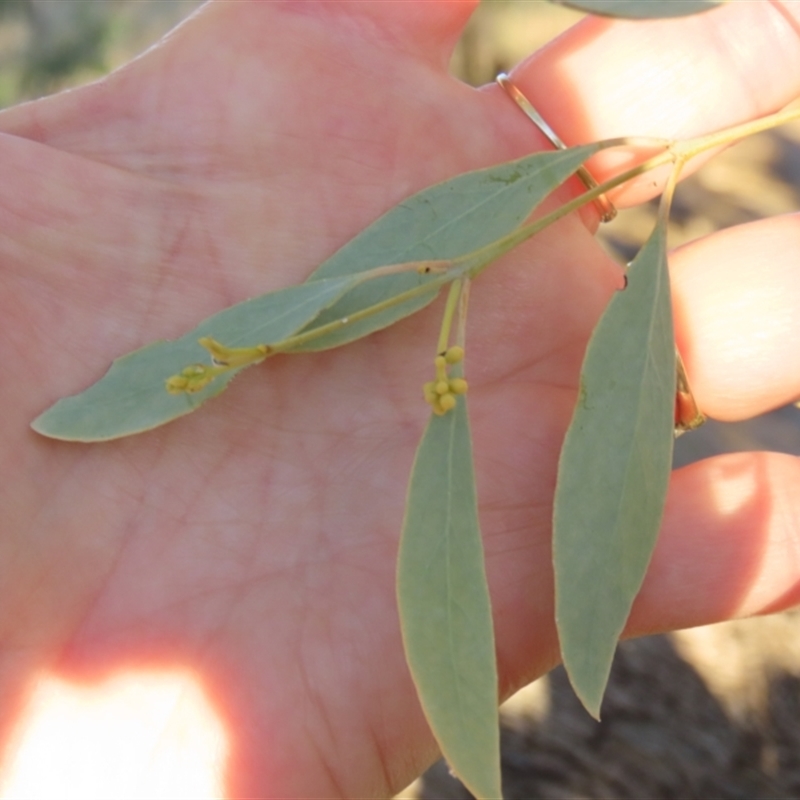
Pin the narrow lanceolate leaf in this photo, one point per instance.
(447, 220)
(132, 396)
(441, 222)
(614, 471)
(443, 600)
(641, 9)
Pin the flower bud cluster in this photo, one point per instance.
(191, 379)
(197, 376)
(441, 393)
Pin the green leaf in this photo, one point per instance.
(443, 599)
(450, 219)
(614, 470)
(444, 221)
(131, 397)
(641, 9)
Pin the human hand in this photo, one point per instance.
(253, 543)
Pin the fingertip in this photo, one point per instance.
(735, 299)
(729, 545)
(671, 79)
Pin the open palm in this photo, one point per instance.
(254, 542)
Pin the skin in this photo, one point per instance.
(254, 543)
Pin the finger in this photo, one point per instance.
(735, 298)
(666, 78)
(729, 546)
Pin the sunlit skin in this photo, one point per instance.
(252, 545)
(144, 734)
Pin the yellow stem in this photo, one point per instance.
(693, 147)
(305, 337)
(447, 319)
(473, 263)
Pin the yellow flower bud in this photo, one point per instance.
(177, 384)
(447, 401)
(233, 356)
(191, 379)
(454, 354)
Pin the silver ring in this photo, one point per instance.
(604, 206)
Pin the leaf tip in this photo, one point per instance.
(591, 697)
(592, 708)
(44, 426)
(40, 428)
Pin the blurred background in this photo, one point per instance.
(48, 45)
(712, 712)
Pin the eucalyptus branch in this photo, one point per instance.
(307, 336)
(694, 147)
(673, 152)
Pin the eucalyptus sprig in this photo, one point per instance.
(614, 466)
